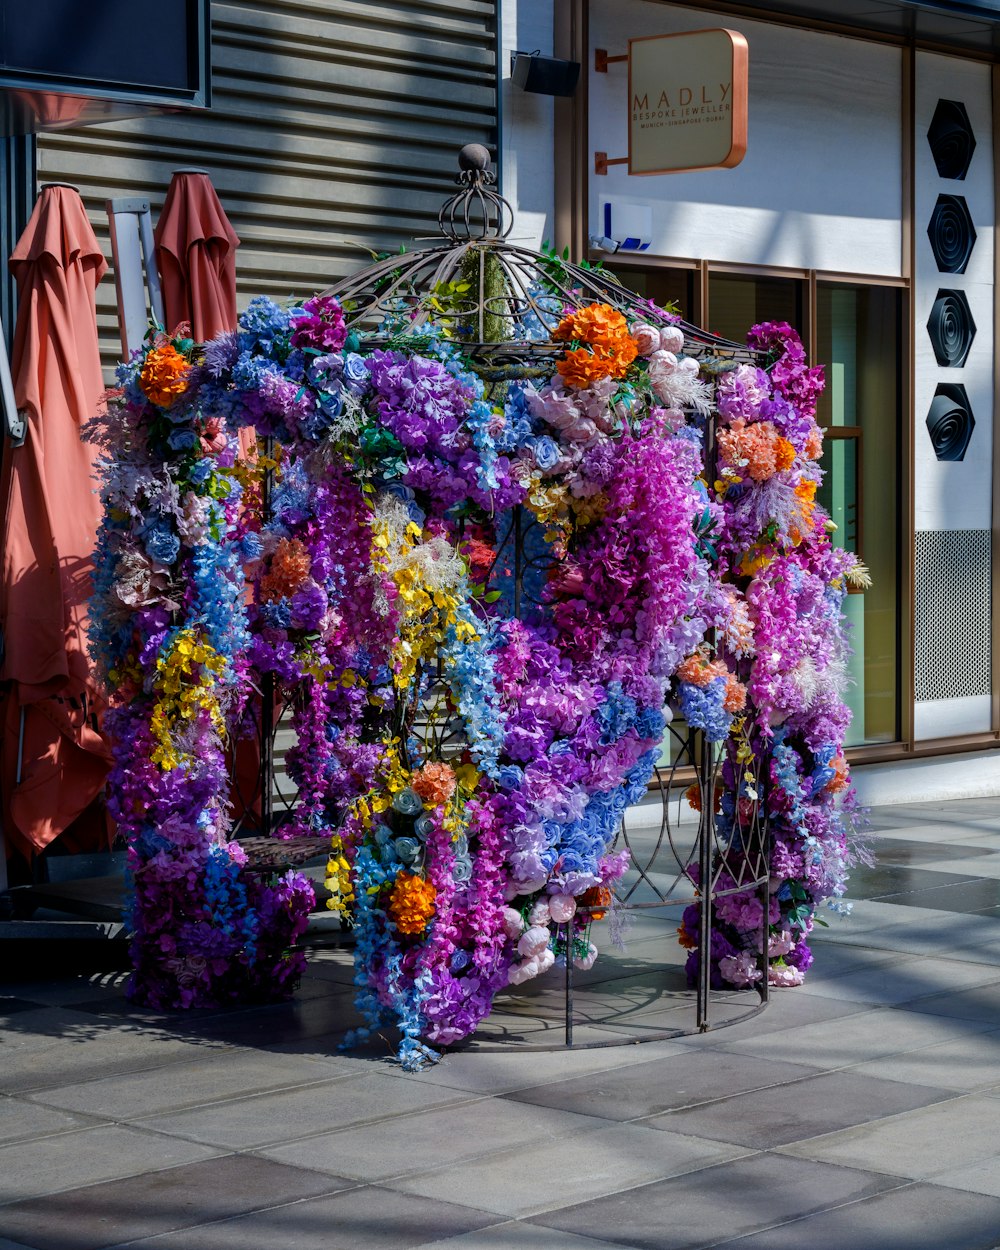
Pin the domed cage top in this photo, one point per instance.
(501, 301)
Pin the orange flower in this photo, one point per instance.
(814, 444)
(596, 901)
(841, 778)
(736, 695)
(784, 454)
(605, 332)
(290, 567)
(693, 796)
(411, 904)
(699, 670)
(163, 376)
(687, 940)
(434, 783)
(597, 323)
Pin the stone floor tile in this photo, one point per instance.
(498, 1073)
(48, 1165)
(19, 1119)
(786, 1012)
(917, 1144)
(977, 1003)
(706, 1207)
(914, 1217)
(432, 1139)
(129, 1096)
(856, 1038)
(661, 1085)
(544, 1175)
(901, 980)
(967, 1064)
(41, 1047)
(979, 1178)
(983, 864)
(516, 1235)
(368, 1218)
(971, 895)
(160, 1202)
(285, 1116)
(886, 880)
(765, 1118)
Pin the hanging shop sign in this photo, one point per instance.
(687, 102)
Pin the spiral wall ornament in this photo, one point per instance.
(951, 233)
(951, 329)
(950, 421)
(951, 139)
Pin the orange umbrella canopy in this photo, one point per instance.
(53, 759)
(196, 256)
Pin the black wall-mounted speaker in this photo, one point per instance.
(951, 139)
(544, 75)
(950, 421)
(951, 329)
(951, 233)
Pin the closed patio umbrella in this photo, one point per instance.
(53, 759)
(196, 256)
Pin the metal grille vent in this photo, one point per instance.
(953, 611)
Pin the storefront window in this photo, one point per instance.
(858, 343)
(737, 302)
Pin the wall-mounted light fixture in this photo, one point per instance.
(544, 75)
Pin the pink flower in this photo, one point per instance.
(647, 338)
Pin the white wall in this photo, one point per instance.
(527, 126)
(955, 495)
(820, 186)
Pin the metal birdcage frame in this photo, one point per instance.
(504, 302)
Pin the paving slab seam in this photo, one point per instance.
(151, 1239)
(37, 1098)
(140, 1125)
(278, 1206)
(906, 1183)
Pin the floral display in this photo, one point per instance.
(483, 601)
(169, 638)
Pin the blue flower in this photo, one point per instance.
(546, 452)
(182, 440)
(162, 544)
(355, 373)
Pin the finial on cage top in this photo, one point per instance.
(477, 212)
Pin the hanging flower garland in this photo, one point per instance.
(784, 635)
(169, 638)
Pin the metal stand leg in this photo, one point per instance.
(569, 983)
(706, 840)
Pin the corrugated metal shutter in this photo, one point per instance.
(334, 130)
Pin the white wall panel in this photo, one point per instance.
(820, 186)
(528, 124)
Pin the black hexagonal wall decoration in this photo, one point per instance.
(950, 421)
(951, 329)
(951, 233)
(951, 139)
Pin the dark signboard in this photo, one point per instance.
(100, 58)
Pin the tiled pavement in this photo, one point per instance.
(859, 1111)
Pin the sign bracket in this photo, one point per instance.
(602, 60)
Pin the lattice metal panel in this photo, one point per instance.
(953, 609)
